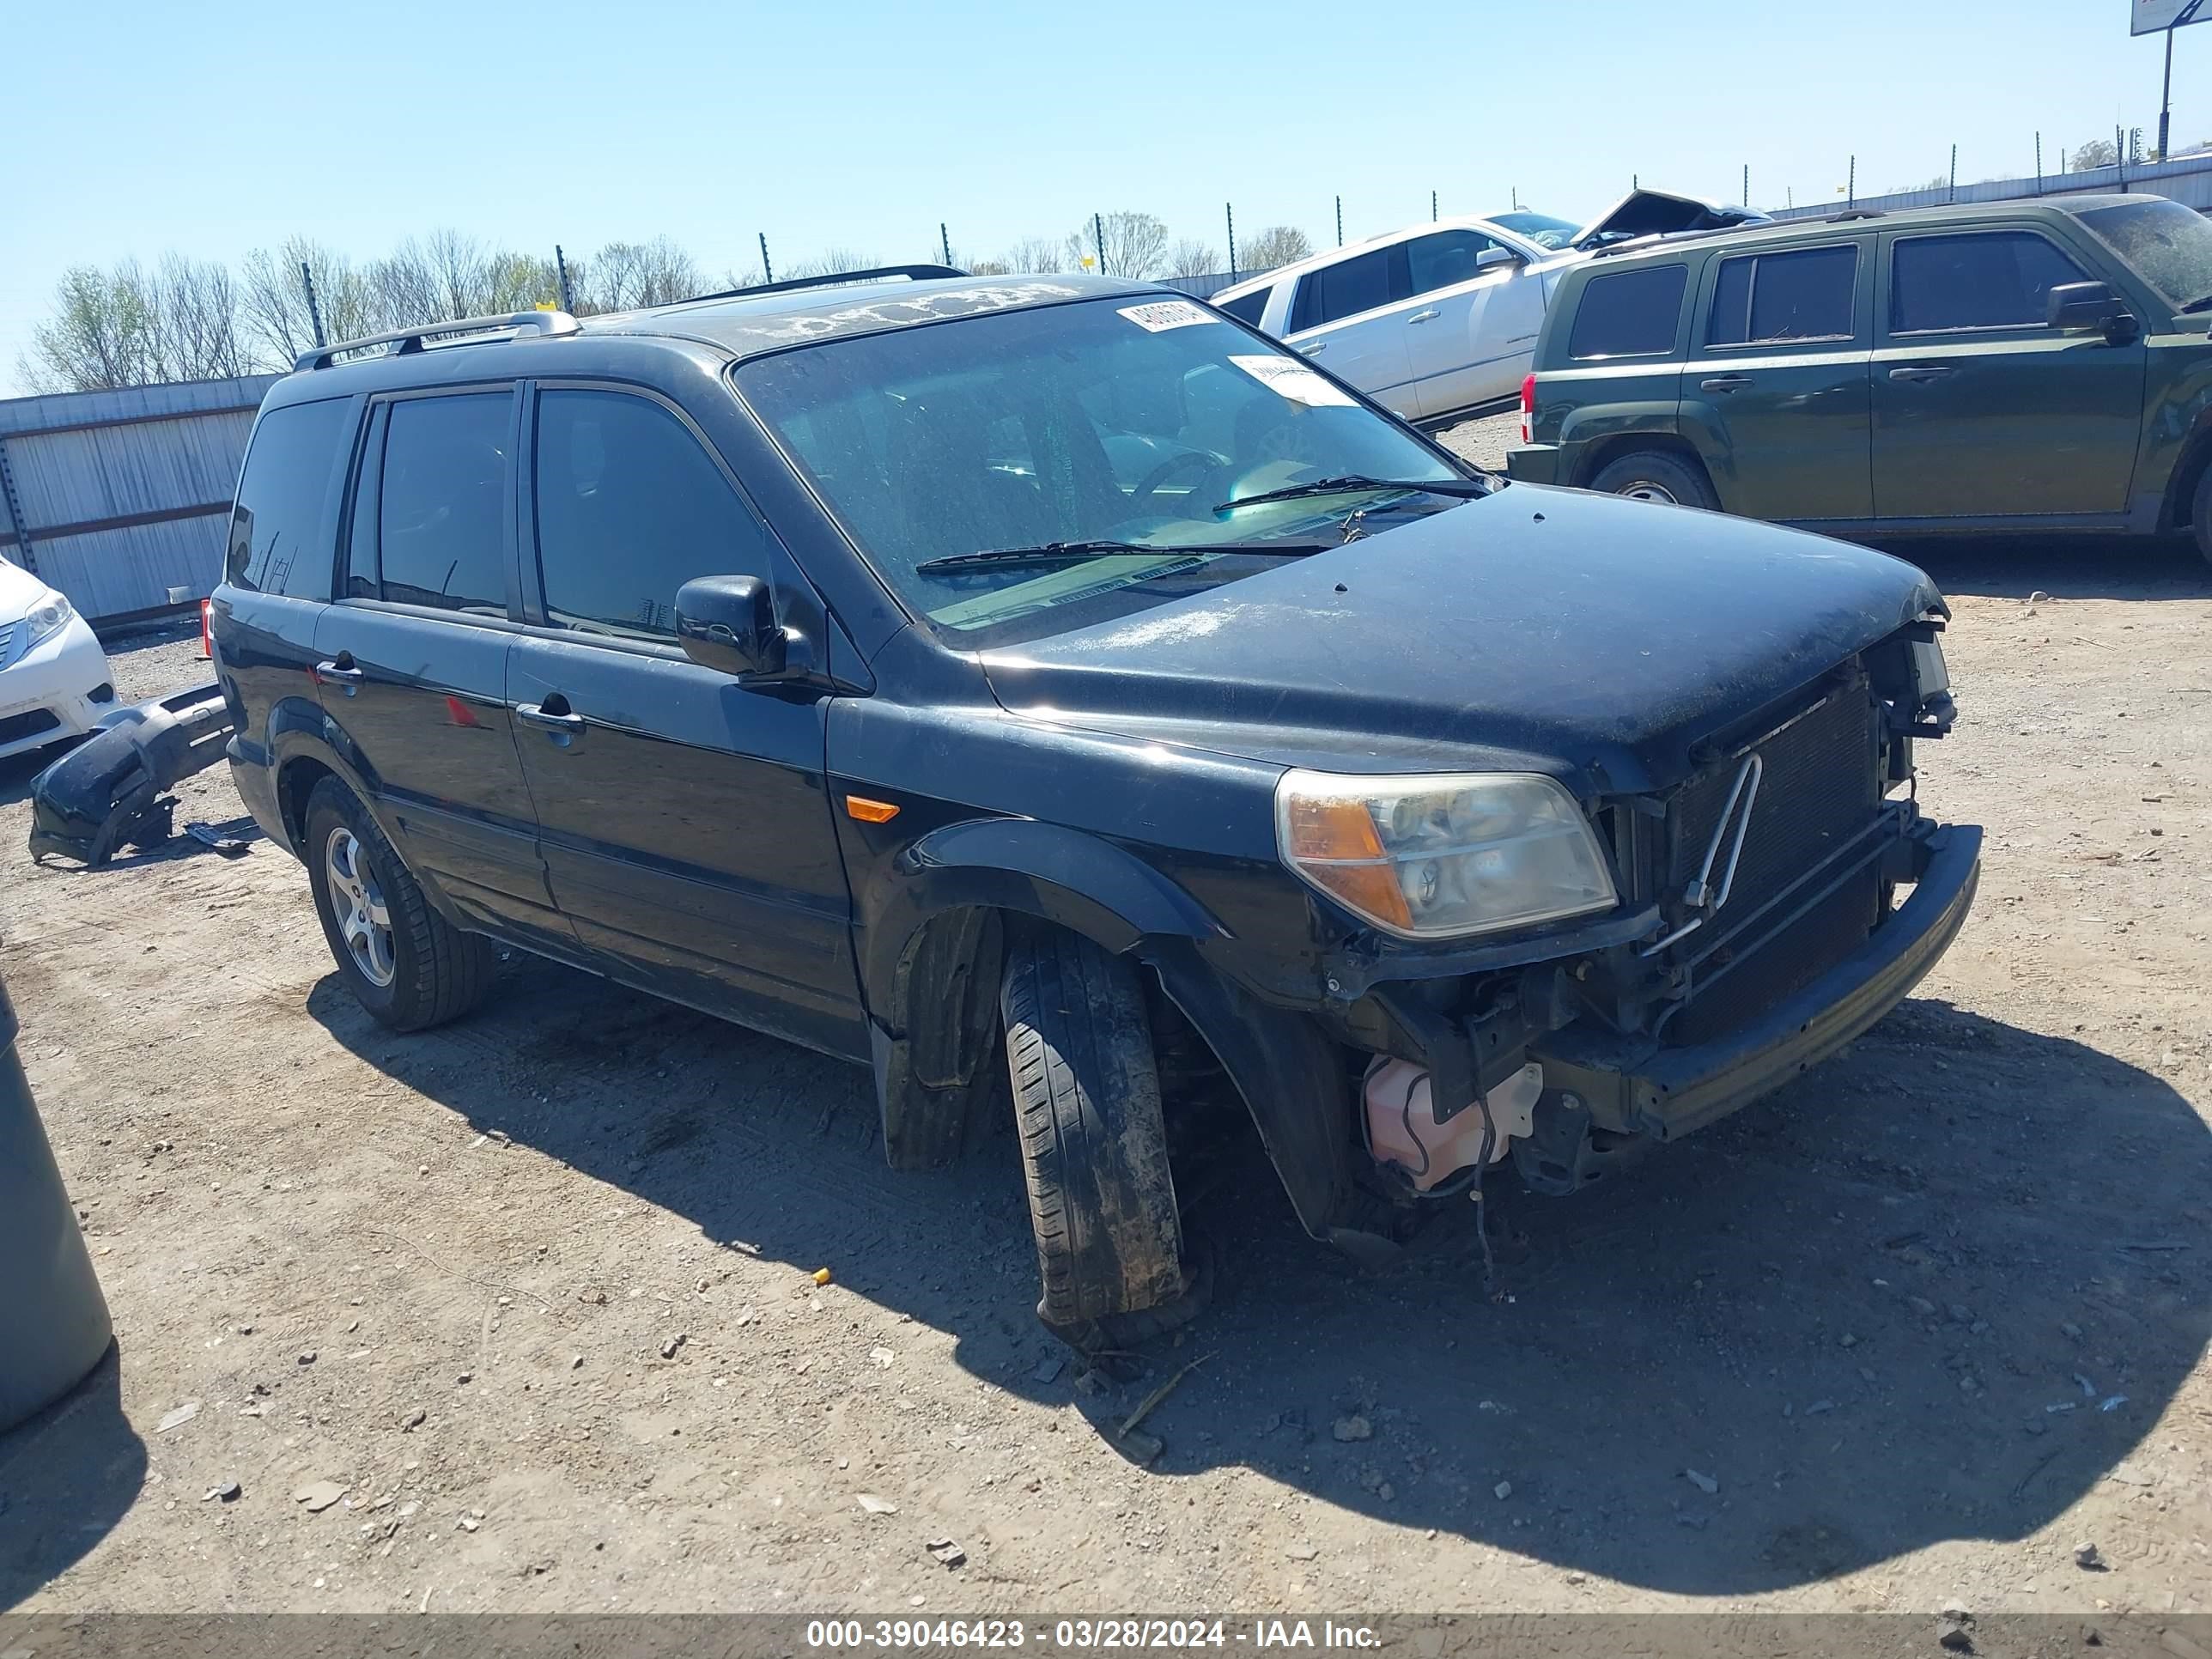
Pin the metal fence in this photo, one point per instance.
(2186, 179)
(118, 498)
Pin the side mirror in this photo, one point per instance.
(2072, 305)
(1491, 258)
(728, 623)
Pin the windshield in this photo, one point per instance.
(1539, 228)
(1144, 423)
(2169, 246)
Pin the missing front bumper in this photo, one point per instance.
(1666, 1092)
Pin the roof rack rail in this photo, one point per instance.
(832, 279)
(405, 340)
(1849, 214)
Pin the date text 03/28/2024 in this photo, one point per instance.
(1085, 1634)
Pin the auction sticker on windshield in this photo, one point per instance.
(1163, 314)
(1293, 381)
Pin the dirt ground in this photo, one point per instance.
(536, 1291)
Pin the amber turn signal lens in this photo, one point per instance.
(1324, 832)
(870, 812)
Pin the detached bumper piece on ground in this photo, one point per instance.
(107, 794)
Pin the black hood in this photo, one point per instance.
(1533, 629)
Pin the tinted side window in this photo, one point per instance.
(1997, 279)
(1630, 314)
(1248, 308)
(629, 508)
(1445, 258)
(1769, 297)
(277, 540)
(1347, 288)
(440, 510)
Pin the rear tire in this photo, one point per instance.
(2200, 514)
(1652, 475)
(1094, 1145)
(404, 963)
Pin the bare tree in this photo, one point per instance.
(131, 327)
(274, 302)
(984, 267)
(1120, 244)
(195, 321)
(628, 275)
(2097, 153)
(1192, 258)
(1035, 253)
(1278, 245)
(830, 261)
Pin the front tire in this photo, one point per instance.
(1094, 1145)
(404, 963)
(1652, 475)
(2200, 514)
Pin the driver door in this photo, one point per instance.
(683, 819)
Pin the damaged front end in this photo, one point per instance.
(1759, 930)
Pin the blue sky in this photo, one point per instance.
(137, 127)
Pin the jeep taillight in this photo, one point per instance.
(1527, 407)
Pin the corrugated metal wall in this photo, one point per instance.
(123, 493)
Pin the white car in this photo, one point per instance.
(53, 675)
(1441, 318)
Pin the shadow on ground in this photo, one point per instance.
(66, 1478)
(1885, 1309)
(2064, 567)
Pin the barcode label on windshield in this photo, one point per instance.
(1162, 314)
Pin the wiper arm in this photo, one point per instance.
(2203, 303)
(1349, 484)
(1072, 552)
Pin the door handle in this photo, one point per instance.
(562, 719)
(1314, 349)
(1725, 383)
(340, 667)
(1422, 316)
(1918, 372)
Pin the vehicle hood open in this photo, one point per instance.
(1660, 213)
(1594, 638)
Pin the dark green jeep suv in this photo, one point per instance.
(2012, 365)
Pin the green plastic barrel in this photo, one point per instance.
(53, 1319)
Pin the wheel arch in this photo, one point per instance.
(1604, 452)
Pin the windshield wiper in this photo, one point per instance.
(1349, 484)
(2203, 303)
(1072, 552)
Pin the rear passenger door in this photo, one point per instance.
(1776, 380)
(1347, 317)
(412, 658)
(685, 819)
(1980, 410)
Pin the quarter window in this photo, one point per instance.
(1630, 314)
(629, 508)
(1350, 286)
(441, 510)
(1763, 299)
(277, 541)
(1248, 307)
(1995, 279)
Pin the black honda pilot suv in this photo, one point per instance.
(1048, 687)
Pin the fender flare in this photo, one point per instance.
(1076, 880)
(931, 919)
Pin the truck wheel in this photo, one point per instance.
(1652, 475)
(1094, 1146)
(2200, 514)
(405, 963)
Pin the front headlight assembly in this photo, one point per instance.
(1444, 856)
(47, 617)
